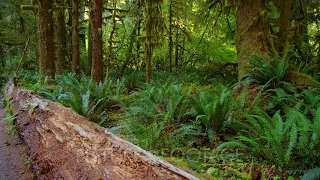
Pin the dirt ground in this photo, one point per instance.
(14, 162)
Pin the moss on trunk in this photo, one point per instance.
(46, 61)
(251, 32)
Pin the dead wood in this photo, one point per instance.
(64, 145)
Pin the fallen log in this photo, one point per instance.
(64, 145)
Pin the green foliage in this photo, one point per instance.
(214, 111)
(154, 114)
(85, 96)
(280, 140)
(267, 71)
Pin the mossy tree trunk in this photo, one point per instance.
(177, 50)
(75, 37)
(251, 32)
(96, 32)
(154, 31)
(285, 20)
(170, 35)
(60, 37)
(46, 60)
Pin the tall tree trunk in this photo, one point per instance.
(90, 43)
(251, 32)
(46, 61)
(148, 62)
(170, 35)
(75, 37)
(285, 15)
(177, 51)
(97, 55)
(138, 47)
(69, 33)
(60, 38)
(148, 41)
(82, 34)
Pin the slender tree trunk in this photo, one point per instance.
(170, 35)
(46, 61)
(177, 51)
(132, 40)
(69, 37)
(60, 39)
(82, 35)
(75, 37)
(89, 43)
(148, 62)
(251, 32)
(129, 51)
(97, 55)
(138, 43)
(111, 42)
(148, 42)
(285, 15)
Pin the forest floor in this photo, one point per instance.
(14, 161)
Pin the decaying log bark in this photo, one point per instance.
(64, 145)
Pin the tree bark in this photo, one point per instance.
(82, 35)
(97, 55)
(75, 37)
(285, 15)
(251, 32)
(90, 43)
(60, 38)
(177, 51)
(64, 145)
(170, 35)
(46, 61)
(148, 62)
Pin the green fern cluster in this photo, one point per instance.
(154, 115)
(87, 97)
(183, 117)
(213, 110)
(281, 140)
(267, 71)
